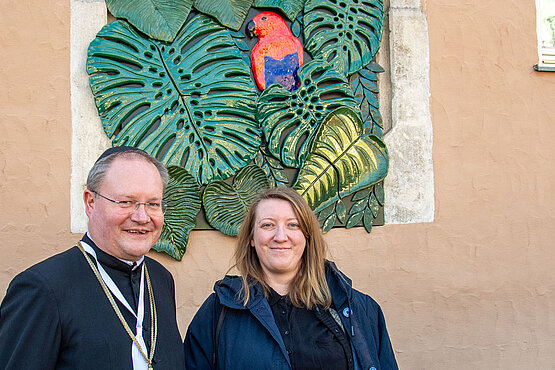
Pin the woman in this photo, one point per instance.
(290, 308)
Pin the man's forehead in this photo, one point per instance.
(132, 161)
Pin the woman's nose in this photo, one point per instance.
(280, 234)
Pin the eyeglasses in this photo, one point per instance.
(152, 208)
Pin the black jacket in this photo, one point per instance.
(55, 315)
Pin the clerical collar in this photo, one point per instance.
(111, 261)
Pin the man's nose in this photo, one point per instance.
(140, 214)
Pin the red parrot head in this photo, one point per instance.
(266, 23)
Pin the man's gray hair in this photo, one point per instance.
(101, 166)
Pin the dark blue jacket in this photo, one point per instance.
(250, 339)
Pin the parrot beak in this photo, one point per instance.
(250, 29)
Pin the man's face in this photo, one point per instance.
(123, 233)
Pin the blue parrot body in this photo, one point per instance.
(277, 55)
(282, 71)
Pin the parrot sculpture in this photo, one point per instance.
(277, 55)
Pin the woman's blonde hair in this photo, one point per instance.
(309, 287)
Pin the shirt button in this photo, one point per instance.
(287, 333)
(336, 330)
(372, 368)
(283, 312)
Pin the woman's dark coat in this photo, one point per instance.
(249, 337)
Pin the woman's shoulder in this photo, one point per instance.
(229, 291)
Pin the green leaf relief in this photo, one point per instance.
(329, 222)
(183, 197)
(341, 211)
(344, 33)
(226, 205)
(289, 7)
(365, 87)
(272, 167)
(159, 19)
(367, 221)
(291, 119)
(354, 219)
(342, 161)
(190, 103)
(230, 13)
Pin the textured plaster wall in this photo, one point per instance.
(475, 288)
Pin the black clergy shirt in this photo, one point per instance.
(55, 315)
(313, 339)
(127, 277)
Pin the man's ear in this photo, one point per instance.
(89, 200)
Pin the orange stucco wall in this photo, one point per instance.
(473, 289)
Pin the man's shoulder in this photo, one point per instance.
(57, 266)
(156, 268)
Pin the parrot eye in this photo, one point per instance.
(263, 18)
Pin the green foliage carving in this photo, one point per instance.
(183, 91)
(344, 33)
(290, 119)
(272, 167)
(289, 7)
(342, 161)
(365, 208)
(159, 19)
(230, 13)
(183, 197)
(365, 86)
(296, 26)
(329, 215)
(226, 205)
(190, 103)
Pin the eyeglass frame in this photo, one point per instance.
(124, 204)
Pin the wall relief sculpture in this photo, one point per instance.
(293, 104)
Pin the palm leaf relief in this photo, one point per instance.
(342, 161)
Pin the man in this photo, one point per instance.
(100, 304)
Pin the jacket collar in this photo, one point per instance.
(109, 260)
(340, 285)
(228, 289)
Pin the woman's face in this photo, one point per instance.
(278, 239)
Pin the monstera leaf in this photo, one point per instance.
(342, 161)
(347, 34)
(230, 13)
(190, 103)
(159, 19)
(289, 7)
(183, 197)
(290, 119)
(226, 205)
